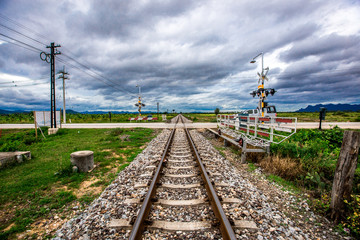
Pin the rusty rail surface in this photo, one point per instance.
(139, 225)
(225, 226)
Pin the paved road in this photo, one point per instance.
(326, 125)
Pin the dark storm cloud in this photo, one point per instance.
(120, 18)
(21, 98)
(180, 51)
(332, 44)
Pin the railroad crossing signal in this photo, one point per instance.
(262, 92)
(139, 104)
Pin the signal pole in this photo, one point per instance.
(50, 58)
(158, 110)
(262, 92)
(139, 104)
(64, 77)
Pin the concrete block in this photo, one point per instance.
(83, 160)
(52, 130)
(7, 158)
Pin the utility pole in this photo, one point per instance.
(64, 77)
(50, 58)
(158, 110)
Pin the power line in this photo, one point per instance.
(30, 49)
(27, 85)
(88, 68)
(87, 73)
(22, 26)
(22, 34)
(28, 45)
(34, 49)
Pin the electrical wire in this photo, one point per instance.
(101, 76)
(89, 74)
(16, 40)
(19, 45)
(32, 48)
(22, 26)
(27, 85)
(13, 30)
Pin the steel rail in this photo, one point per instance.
(139, 225)
(225, 226)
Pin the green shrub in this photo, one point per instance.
(18, 141)
(317, 153)
(353, 219)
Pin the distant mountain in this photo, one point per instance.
(106, 112)
(118, 112)
(71, 111)
(331, 107)
(5, 111)
(2, 111)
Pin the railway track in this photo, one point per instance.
(181, 201)
(177, 195)
(180, 205)
(179, 187)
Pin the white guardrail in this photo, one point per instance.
(258, 131)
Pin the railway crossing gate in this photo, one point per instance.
(258, 132)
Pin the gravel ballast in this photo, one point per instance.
(266, 208)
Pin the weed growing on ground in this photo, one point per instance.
(47, 183)
(288, 185)
(221, 151)
(251, 167)
(352, 221)
(308, 160)
(196, 117)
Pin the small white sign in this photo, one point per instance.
(43, 118)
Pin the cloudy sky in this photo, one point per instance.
(186, 55)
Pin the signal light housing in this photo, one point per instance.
(272, 92)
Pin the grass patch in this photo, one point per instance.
(221, 151)
(337, 116)
(251, 167)
(308, 161)
(47, 183)
(287, 185)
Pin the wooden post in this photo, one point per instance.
(226, 143)
(344, 173)
(35, 124)
(243, 153)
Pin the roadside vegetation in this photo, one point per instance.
(195, 117)
(46, 187)
(308, 161)
(338, 116)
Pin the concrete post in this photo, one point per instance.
(83, 160)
